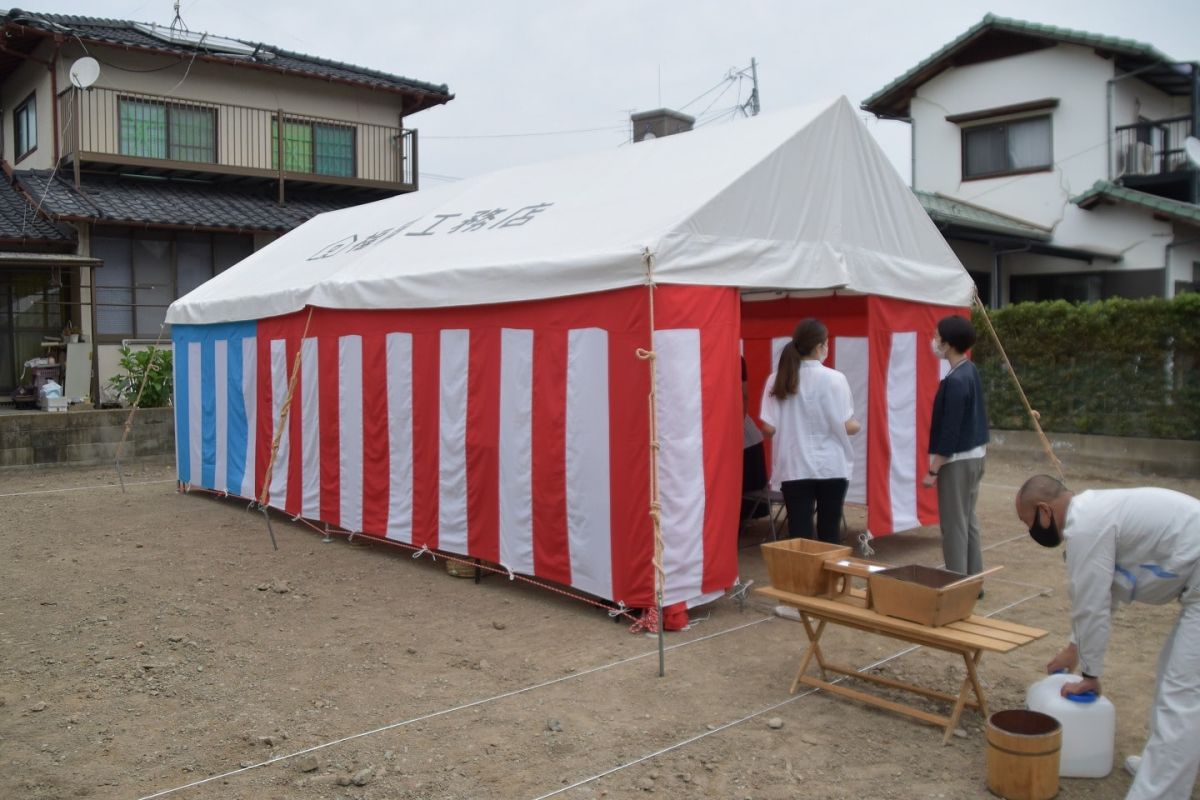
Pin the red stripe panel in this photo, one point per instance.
(376, 479)
(879, 444)
(483, 445)
(551, 557)
(427, 350)
(331, 437)
(264, 418)
(629, 462)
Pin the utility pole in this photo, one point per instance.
(754, 107)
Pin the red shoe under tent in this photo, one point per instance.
(470, 366)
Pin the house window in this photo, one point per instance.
(1005, 148)
(145, 271)
(315, 147)
(25, 127)
(167, 130)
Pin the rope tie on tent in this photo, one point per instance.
(660, 578)
(279, 428)
(512, 576)
(1034, 416)
(150, 367)
(425, 549)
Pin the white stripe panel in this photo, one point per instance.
(350, 430)
(851, 359)
(250, 398)
(680, 461)
(452, 441)
(400, 436)
(589, 532)
(902, 430)
(176, 383)
(195, 414)
(777, 345)
(308, 406)
(221, 379)
(516, 450)
(279, 385)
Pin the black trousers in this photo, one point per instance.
(827, 495)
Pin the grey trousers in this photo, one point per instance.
(957, 491)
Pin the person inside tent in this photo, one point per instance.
(1123, 546)
(958, 436)
(808, 411)
(754, 459)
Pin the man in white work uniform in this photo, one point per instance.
(1123, 546)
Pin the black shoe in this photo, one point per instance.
(981, 594)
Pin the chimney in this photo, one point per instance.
(659, 123)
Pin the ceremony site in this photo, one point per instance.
(833, 432)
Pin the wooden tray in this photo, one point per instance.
(925, 595)
(798, 565)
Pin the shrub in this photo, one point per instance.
(135, 366)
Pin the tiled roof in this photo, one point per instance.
(125, 34)
(955, 212)
(889, 99)
(19, 222)
(1106, 190)
(160, 202)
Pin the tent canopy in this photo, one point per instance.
(800, 200)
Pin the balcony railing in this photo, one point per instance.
(107, 126)
(1153, 147)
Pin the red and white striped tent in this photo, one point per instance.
(469, 376)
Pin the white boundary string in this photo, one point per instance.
(758, 713)
(85, 488)
(451, 710)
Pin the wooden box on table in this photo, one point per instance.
(924, 595)
(798, 565)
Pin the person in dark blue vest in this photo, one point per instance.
(958, 437)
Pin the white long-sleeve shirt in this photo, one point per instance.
(810, 426)
(1123, 546)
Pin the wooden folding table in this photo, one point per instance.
(968, 638)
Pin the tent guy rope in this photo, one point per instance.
(1033, 415)
(279, 428)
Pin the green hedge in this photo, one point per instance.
(1117, 367)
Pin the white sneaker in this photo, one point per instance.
(1133, 764)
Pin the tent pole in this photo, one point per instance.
(279, 428)
(655, 502)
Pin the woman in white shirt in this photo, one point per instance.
(808, 411)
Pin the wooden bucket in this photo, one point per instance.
(1023, 753)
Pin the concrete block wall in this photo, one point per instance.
(39, 439)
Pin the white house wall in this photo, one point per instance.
(1185, 256)
(27, 77)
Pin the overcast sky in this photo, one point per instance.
(525, 71)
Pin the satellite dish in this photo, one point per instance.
(1191, 146)
(649, 136)
(84, 72)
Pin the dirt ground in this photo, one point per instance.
(149, 640)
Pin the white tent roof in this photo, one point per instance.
(800, 200)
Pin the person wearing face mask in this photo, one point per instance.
(1125, 546)
(808, 411)
(958, 437)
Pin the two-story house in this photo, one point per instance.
(140, 160)
(1054, 161)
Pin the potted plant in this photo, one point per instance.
(70, 333)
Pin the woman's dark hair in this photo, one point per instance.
(809, 334)
(958, 332)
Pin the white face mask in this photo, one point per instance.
(939, 351)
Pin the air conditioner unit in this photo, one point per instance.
(1137, 159)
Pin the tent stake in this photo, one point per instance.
(270, 530)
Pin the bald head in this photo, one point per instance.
(1039, 489)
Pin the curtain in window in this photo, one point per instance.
(1029, 143)
(297, 146)
(143, 129)
(333, 150)
(985, 151)
(26, 127)
(114, 285)
(192, 134)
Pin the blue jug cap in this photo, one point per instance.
(1083, 697)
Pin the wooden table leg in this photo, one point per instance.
(814, 649)
(970, 684)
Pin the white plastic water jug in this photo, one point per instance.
(1089, 725)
